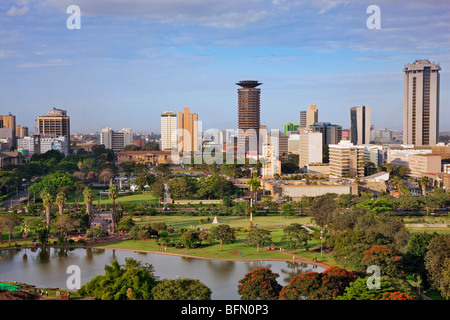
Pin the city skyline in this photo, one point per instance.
(122, 67)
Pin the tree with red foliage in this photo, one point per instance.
(385, 259)
(334, 282)
(395, 296)
(260, 284)
(318, 286)
(303, 287)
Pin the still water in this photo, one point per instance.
(47, 268)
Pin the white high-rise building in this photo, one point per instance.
(310, 148)
(169, 127)
(114, 140)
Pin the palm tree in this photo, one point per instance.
(88, 198)
(60, 201)
(424, 182)
(113, 194)
(24, 230)
(47, 200)
(397, 181)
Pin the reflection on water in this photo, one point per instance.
(47, 267)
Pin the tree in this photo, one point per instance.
(52, 183)
(258, 237)
(47, 200)
(79, 187)
(65, 223)
(163, 168)
(223, 233)
(181, 289)
(24, 230)
(385, 259)
(322, 209)
(113, 194)
(359, 290)
(297, 236)
(132, 281)
(9, 221)
(413, 261)
(348, 246)
(424, 182)
(302, 287)
(437, 262)
(182, 187)
(318, 286)
(60, 201)
(42, 234)
(144, 179)
(106, 175)
(125, 224)
(88, 195)
(334, 282)
(287, 209)
(189, 239)
(259, 284)
(158, 190)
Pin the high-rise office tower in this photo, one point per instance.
(309, 117)
(8, 129)
(331, 133)
(55, 123)
(187, 131)
(360, 125)
(168, 130)
(421, 103)
(21, 132)
(248, 114)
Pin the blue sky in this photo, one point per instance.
(132, 60)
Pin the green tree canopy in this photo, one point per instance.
(181, 289)
(258, 237)
(223, 233)
(132, 281)
(359, 290)
(297, 236)
(437, 262)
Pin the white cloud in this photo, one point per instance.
(213, 13)
(50, 63)
(14, 11)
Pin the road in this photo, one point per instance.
(16, 199)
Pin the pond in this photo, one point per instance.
(47, 268)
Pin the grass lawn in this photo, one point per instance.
(133, 198)
(234, 221)
(237, 250)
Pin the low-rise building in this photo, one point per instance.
(297, 189)
(7, 157)
(424, 163)
(149, 158)
(346, 159)
(104, 220)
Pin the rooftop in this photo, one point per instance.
(249, 84)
